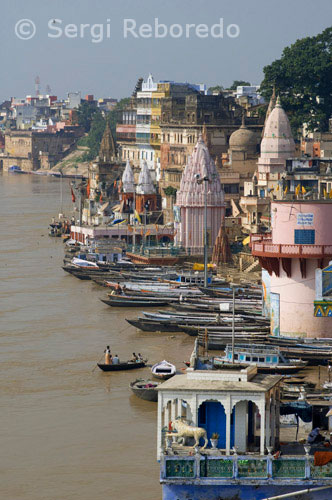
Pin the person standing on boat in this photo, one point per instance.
(108, 355)
(134, 358)
(139, 358)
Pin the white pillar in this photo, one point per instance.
(263, 423)
(166, 419)
(159, 425)
(194, 412)
(228, 411)
(268, 423)
(173, 410)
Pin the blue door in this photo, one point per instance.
(212, 417)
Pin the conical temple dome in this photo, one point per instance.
(107, 151)
(128, 182)
(278, 142)
(200, 164)
(145, 184)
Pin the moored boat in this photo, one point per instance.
(127, 365)
(163, 370)
(145, 389)
(267, 359)
(123, 301)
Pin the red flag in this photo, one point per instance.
(88, 189)
(101, 197)
(73, 199)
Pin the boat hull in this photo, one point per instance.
(120, 366)
(148, 394)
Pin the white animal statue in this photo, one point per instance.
(184, 431)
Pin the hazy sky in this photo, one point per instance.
(70, 62)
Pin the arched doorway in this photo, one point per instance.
(245, 422)
(212, 417)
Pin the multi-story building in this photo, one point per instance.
(183, 119)
(143, 117)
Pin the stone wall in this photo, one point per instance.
(34, 150)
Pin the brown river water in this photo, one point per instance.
(67, 432)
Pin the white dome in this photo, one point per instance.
(278, 142)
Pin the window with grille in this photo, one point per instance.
(304, 237)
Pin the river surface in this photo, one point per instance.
(67, 432)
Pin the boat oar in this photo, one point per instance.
(97, 363)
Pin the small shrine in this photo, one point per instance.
(146, 195)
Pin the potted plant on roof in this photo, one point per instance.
(214, 440)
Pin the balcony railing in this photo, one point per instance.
(260, 249)
(243, 467)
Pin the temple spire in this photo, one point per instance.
(128, 184)
(107, 151)
(271, 107)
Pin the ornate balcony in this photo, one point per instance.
(205, 469)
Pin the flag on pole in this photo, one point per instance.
(286, 190)
(278, 187)
(130, 229)
(137, 217)
(101, 198)
(148, 232)
(304, 190)
(88, 189)
(297, 189)
(142, 232)
(325, 193)
(73, 199)
(330, 194)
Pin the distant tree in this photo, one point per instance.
(239, 83)
(85, 114)
(302, 77)
(97, 128)
(170, 191)
(216, 88)
(98, 125)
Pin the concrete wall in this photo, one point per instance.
(284, 217)
(297, 297)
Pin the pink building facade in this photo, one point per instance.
(300, 243)
(189, 208)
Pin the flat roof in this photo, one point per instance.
(259, 383)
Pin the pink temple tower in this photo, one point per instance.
(189, 209)
(300, 243)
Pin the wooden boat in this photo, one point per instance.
(145, 389)
(163, 370)
(150, 326)
(127, 365)
(267, 359)
(124, 302)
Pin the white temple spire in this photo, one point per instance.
(128, 182)
(145, 184)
